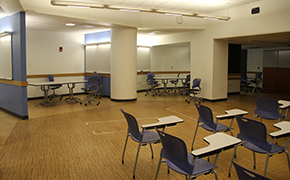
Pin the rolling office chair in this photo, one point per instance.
(206, 118)
(178, 159)
(142, 138)
(175, 82)
(245, 174)
(196, 89)
(244, 83)
(153, 84)
(254, 136)
(258, 82)
(186, 84)
(92, 89)
(267, 108)
(99, 84)
(53, 88)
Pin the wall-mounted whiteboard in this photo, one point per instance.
(5, 58)
(98, 58)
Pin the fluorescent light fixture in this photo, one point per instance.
(130, 10)
(173, 14)
(5, 33)
(78, 6)
(211, 18)
(98, 43)
(70, 24)
(119, 8)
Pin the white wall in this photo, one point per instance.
(43, 57)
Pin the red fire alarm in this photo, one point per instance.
(60, 49)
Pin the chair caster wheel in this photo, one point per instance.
(80, 102)
(153, 95)
(98, 103)
(85, 104)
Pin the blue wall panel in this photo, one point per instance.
(14, 98)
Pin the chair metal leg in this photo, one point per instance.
(234, 154)
(254, 156)
(125, 147)
(136, 159)
(215, 174)
(194, 136)
(266, 166)
(151, 150)
(160, 160)
(288, 160)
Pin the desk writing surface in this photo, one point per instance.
(168, 120)
(217, 141)
(285, 129)
(231, 113)
(284, 104)
(54, 82)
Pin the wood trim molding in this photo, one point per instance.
(55, 75)
(14, 83)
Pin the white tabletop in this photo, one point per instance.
(232, 113)
(284, 127)
(169, 78)
(285, 104)
(217, 142)
(55, 82)
(164, 121)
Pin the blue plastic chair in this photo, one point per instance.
(153, 84)
(53, 88)
(206, 118)
(186, 84)
(195, 89)
(175, 82)
(257, 81)
(142, 138)
(254, 136)
(92, 89)
(267, 108)
(245, 83)
(245, 174)
(178, 159)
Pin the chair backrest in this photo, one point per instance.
(174, 149)
(245, 174)
(205, 116)
(99, 81)
(133, 127)
(244, 78)
(267, 104)
(196, 83)
(187, 78)
(50, 78)
(254, 132)
(258, 75)
(150, 77)
(93, 83)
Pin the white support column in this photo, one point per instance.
(123, 64)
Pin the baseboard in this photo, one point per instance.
(14, 114)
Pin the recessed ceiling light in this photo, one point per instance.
(70, 24)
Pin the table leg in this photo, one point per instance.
(45, 101)
(165, 81)
(71, 97)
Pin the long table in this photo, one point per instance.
(165, 82)
(45, 86)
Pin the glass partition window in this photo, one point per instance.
(5, 57)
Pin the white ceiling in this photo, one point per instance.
(41, 15)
